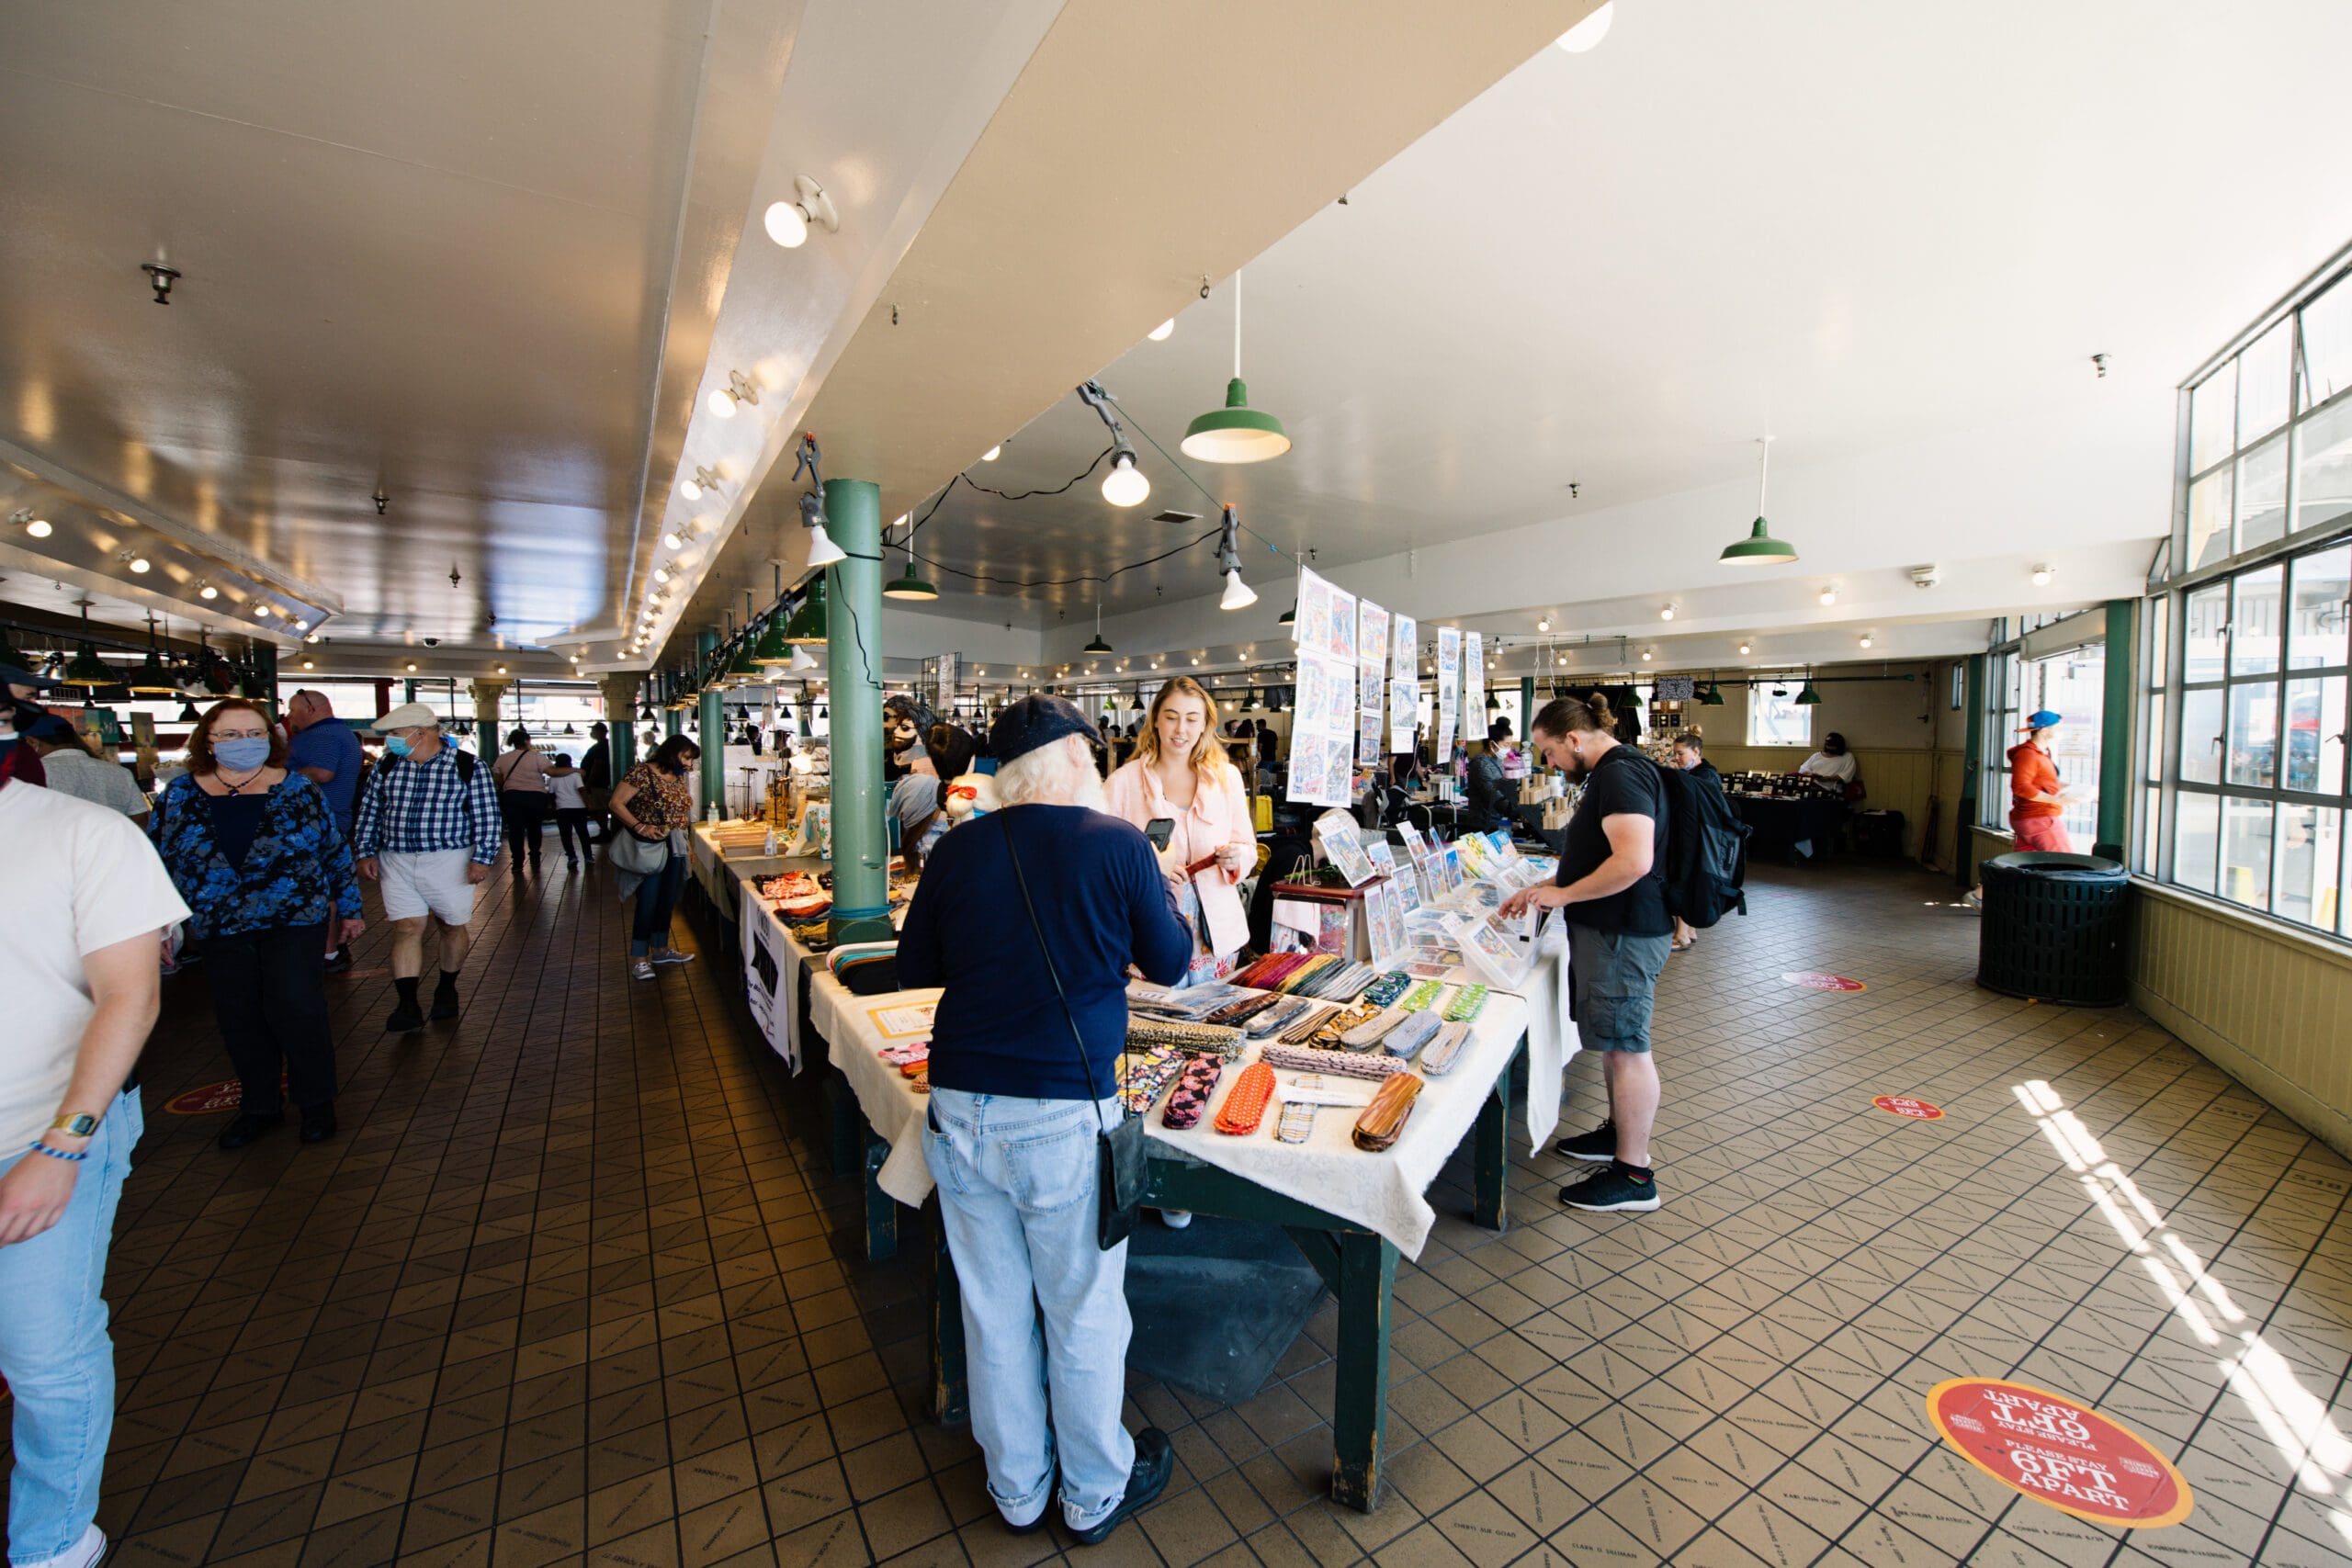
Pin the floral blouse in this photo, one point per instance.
(661, 801)
(296, 874)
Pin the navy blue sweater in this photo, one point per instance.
(1104, 905)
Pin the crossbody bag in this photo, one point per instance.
(1119, 1158)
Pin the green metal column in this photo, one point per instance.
(852, 671)
(1963, 860)
(1527, 723)
(2114, 729)
(711, 734)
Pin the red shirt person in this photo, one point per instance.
(2037, 800)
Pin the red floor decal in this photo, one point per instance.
(2063, 1453)
(205, 1102)
(1813, 982)
(1904, 1105)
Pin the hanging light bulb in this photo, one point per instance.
(1586, 34)
(1238, 593)
(1236, 432)
(787, 221)
(673, 540)
(1125, 485)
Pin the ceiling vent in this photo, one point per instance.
(1173, 518)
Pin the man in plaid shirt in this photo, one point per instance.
(428, 829)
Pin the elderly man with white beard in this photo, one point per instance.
(1029, 921)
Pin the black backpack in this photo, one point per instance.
(1706, 850)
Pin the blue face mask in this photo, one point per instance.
(684, 766)
(241, 755)
(396, 746)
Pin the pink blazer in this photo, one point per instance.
(1220, 815)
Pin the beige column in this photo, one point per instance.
(487, 695)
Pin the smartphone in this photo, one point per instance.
(1159, 830)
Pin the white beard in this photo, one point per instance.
(1091, 793)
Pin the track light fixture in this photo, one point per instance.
(1238, 593)
(33, 527)
(2042, 574)
(1125, 485)
(1162, 332)
(822, 551)
(738, 390)
(704, 478)
(160, 279)
(1830, 595)
(787, 222)
(1665, 611)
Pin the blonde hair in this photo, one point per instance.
(1208, 751)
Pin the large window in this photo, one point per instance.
(2250, 645)
(1774, 717)
(2072, 684)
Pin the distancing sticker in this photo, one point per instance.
(1813, 982)
(1904, 1105)
(206, 1101)
(2060, 1452)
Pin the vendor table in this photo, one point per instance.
(1350, 1212)
(1781, 822)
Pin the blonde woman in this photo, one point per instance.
(1180, 773)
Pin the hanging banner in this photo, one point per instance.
(1474, 688)
(1449, 693)
(1372, 679)
(1405, 685)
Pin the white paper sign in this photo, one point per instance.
(1405, 689)
(1449, 692)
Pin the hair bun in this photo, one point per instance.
(1601, 717)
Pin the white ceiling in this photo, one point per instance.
(1890, 236)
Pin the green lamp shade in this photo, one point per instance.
(1236, 432)
(86, 669)
(1760, 549)
(907, 585)
(151, 680)
(746, 665)
(1713, 697)
(188, 714)
(807, 627)
(1099, 646)
(1288, 618)
(771, 649)
(1808, 698)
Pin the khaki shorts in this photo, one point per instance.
(430, 882)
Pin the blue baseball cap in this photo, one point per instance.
(1036, 721)
(2042, 718)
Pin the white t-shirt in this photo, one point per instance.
(565, 787)
(80, 877)
(1822, 765)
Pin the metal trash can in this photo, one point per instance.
(2054, 928)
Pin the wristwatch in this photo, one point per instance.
(75, 1125)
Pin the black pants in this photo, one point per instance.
(572, 823)
(525, 815)
(269, 995)
(657, 900)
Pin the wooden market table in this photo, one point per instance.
(878, 1132)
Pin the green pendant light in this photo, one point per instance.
(1098, 644)
(150, 679)
(807, 627)
(1808, 698)
(1713, 697)
(1236, 432)
(1760, 549)
(909, 585)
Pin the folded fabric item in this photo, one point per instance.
(1306, 980)
(1234, 1013)
(1347, 982)
(1384, 1119)
(1368, 1033)
(1306, 1027)
(1184, 1006)
(1263, 972)
(1202, 1037)
(1300, 1059)
(1335, 1028)
(1421, 995)
(1285, 1011)
(1296, 1124)
(1409, 1036)
(1143, 1076)
(1189, 1097)
(1245, 1102)
(1466, 1004)
(859, 953)
(1384, 991)
(1438, 1055)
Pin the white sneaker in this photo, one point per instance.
(1176, 1219)
(83, 1553)
(640, 968)
(669, 955)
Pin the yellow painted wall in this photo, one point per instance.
(1894, 780)
(2270, 1007)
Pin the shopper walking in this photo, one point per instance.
(322, 748)
(428, 828)
(2037, 800)
(654, 804)
(570, 799)
(1180, 773)
(87, 902)
(71, 768)
(253, 849)
(596, 776)
(1612, 881)
(1015, 1104)
(521, 776)
(1689, 754)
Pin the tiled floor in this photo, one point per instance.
(575, 1283)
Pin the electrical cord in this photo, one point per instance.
(1028, 494)
(1068, 582)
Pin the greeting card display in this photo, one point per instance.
(1337, 832)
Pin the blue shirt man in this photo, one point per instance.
(324, 751)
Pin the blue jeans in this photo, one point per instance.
(54, 1349)
(1016, 1187)
(657, 900)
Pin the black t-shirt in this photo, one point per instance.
(1626, 782)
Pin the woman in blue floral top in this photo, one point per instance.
(256, 853)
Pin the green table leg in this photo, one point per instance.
(1492, 1164)
(881, 1209)
(950, 1401)
(848, 1123)
(1360, 1415)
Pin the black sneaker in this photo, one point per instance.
(1599, 1145)
(1155, 1457)
(406, 1017)
(445, 1001)
(317, 1124)
(1612, 1191)
(247, 1127)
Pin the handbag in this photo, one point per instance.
(1119, 1158)
(635, 856)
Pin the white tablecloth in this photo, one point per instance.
(773, 962)
(1382, 1192)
